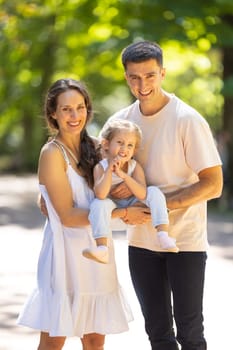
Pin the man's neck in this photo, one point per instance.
(151, 108)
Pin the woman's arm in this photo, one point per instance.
(52, 174)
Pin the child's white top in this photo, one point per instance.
(116, 180)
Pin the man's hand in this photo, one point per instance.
(120, 191)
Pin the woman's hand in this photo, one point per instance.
(137, 215)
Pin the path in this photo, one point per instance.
(20, 239)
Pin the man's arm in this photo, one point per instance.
(208, 187)
(120, 191)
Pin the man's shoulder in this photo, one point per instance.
(125, 112)
(186, 112)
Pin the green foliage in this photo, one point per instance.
(196, 78)
(44, 40)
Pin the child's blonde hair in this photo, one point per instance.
(112, 127)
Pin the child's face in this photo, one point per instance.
(122, 145)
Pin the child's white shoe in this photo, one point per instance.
(99, 254)
(167, 243)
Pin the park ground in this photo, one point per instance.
(21, 225)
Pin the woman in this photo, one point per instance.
(75, 296)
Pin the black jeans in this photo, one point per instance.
(158, 276)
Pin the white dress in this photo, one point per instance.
(74, 295)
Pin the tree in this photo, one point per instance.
(24, 77)
(45, 40)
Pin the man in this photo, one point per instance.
(178, 155)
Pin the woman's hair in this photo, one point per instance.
(89, 156)
(115, 126)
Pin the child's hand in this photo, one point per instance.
(113, 164)
(117, 168)
(119, 172)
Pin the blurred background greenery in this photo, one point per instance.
(43, 40)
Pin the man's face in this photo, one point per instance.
(145, 79)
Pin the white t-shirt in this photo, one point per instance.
(177, 144)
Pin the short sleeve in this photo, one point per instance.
(199, 144)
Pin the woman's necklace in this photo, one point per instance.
(69, 151)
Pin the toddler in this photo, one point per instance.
(120, 140)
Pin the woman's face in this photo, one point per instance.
(71, 112)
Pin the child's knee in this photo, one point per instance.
(154, 192)
(101, 204)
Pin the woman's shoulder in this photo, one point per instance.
(50, 151)
(51, 161)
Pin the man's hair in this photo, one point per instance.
(142, 51)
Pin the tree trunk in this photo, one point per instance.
(228, 117)
(33, 126)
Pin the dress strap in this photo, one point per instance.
(62, 148)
